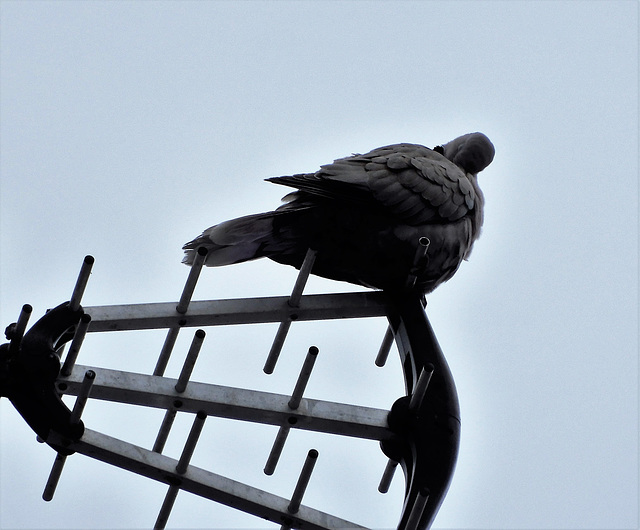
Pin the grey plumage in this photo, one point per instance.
(364, 215)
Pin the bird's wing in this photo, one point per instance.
(413, 182)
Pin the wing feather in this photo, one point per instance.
(415, 183)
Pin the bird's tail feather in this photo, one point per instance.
(233, 241)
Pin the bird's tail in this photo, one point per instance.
(233, 241)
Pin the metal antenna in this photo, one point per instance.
(420, 431)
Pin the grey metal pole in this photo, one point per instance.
(418, 509)
(167, 348)
(78, 408)
(303, 276)
(181, 469)
(303, 378)
(421, 387)
(192, 440)
(18, 330)
(276, 347)
(192, 279)
(81, 283)
(387, 476)
(54, 477)
(83, 396)
(293, 301)
(165, 429)
(190, 361)
(76, 343)
(385, 348)
(421, 252)
(276, 450)
(303, 481)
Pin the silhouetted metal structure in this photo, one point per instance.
(421, 432)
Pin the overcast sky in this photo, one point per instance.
(128, 127)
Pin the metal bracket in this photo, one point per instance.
(30, 368)
(426, 421)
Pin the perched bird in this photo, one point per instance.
(367, 215)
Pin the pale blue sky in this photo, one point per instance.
(128, 127)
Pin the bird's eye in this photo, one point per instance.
(439, 149)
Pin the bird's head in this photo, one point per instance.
(471, 152)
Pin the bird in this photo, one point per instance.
(399, 218)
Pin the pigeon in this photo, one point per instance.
(401, 217)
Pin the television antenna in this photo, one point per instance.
(420, 433)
